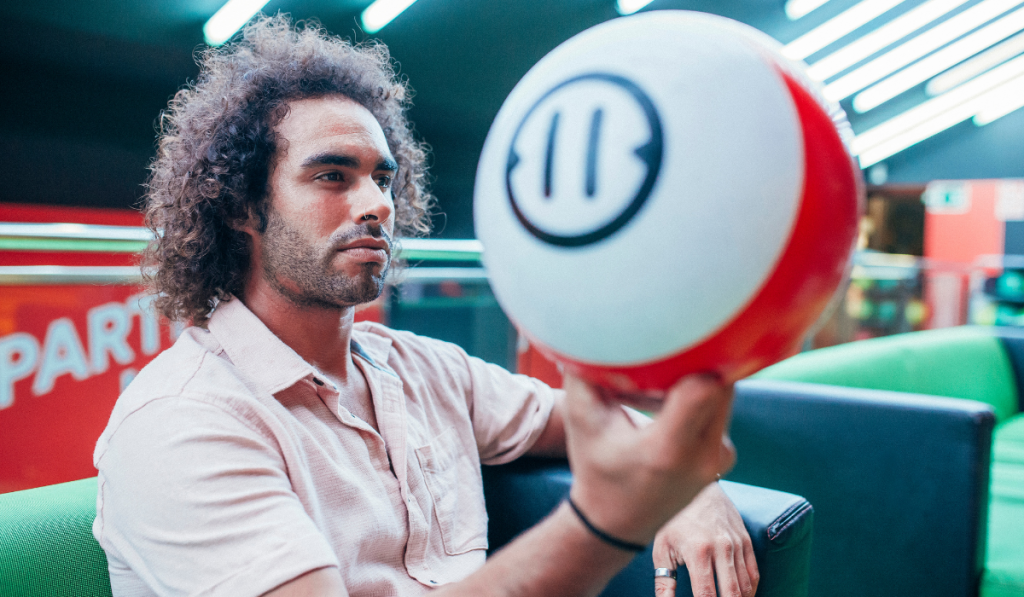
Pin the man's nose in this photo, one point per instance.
(372, 204)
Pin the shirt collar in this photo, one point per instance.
(268, 361)
(374, 348)
(254, 349)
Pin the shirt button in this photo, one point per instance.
(317, 381)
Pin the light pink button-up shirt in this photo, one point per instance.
(229, 465)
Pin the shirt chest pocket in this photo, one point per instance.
(456, 490)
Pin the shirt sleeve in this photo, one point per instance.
(509, 411)
(196, 502)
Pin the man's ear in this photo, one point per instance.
(255, 225)
(248, 226)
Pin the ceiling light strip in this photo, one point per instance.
(229, 19)
(933, 107)
(940, 122)
(975, 66)
(800, 8)
(628, 7)
(919, 46)
(381, 12)
(881, 38)
(1009, 100)
(951, 55)
(837, 27)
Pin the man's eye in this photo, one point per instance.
(331, 176)
(384, 182)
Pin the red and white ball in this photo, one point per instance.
(665, 194)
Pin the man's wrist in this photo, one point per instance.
(603, 536)
(587, 541)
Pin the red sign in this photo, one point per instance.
(65, 354)
(67, 351)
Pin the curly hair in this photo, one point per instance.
(217, 140)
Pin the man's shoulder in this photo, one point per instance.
(373, 328)
(193, 369)
(439, 364)
(390, 345)
(195, 361)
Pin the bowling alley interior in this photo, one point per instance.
(817, 203)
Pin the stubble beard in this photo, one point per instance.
(288, 257)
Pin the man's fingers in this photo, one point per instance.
(696, 405)
(702, 574)
(725, 570)
(593, 408)
(743, 575)
(751, 563)
(693, 421)
(584, 404)
(688, 404)
(664, 587)
(664, 558)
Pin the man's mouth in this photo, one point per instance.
(368, 250)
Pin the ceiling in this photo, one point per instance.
(85, 81)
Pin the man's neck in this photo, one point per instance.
(320, 335)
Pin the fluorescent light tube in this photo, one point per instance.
(940, 122)
(951, 55)
(880, 38)
(921, 113)
(975, 66)
(1008, 100)
(382, 12)
(917, 47)
(628, 7)
(798, 8)
(838, 26)
(230, 18)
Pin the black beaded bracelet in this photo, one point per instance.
(603, 536)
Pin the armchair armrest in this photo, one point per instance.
(780, 524)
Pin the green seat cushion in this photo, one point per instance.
(964, 362)
(1004, 560)
(46, 542)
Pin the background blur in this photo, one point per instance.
(85, 80)
(941, 241)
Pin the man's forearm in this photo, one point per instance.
(551, 443)
(559, 556)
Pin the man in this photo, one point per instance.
(279, 448)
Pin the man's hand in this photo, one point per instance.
(629, 481)
(707, 536)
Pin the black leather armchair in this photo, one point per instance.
(520, 494)
(899, 482)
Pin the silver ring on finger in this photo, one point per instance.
(665, 573)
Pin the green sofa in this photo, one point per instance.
(973, 363)
(46, 543)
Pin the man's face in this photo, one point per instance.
(331, 214)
